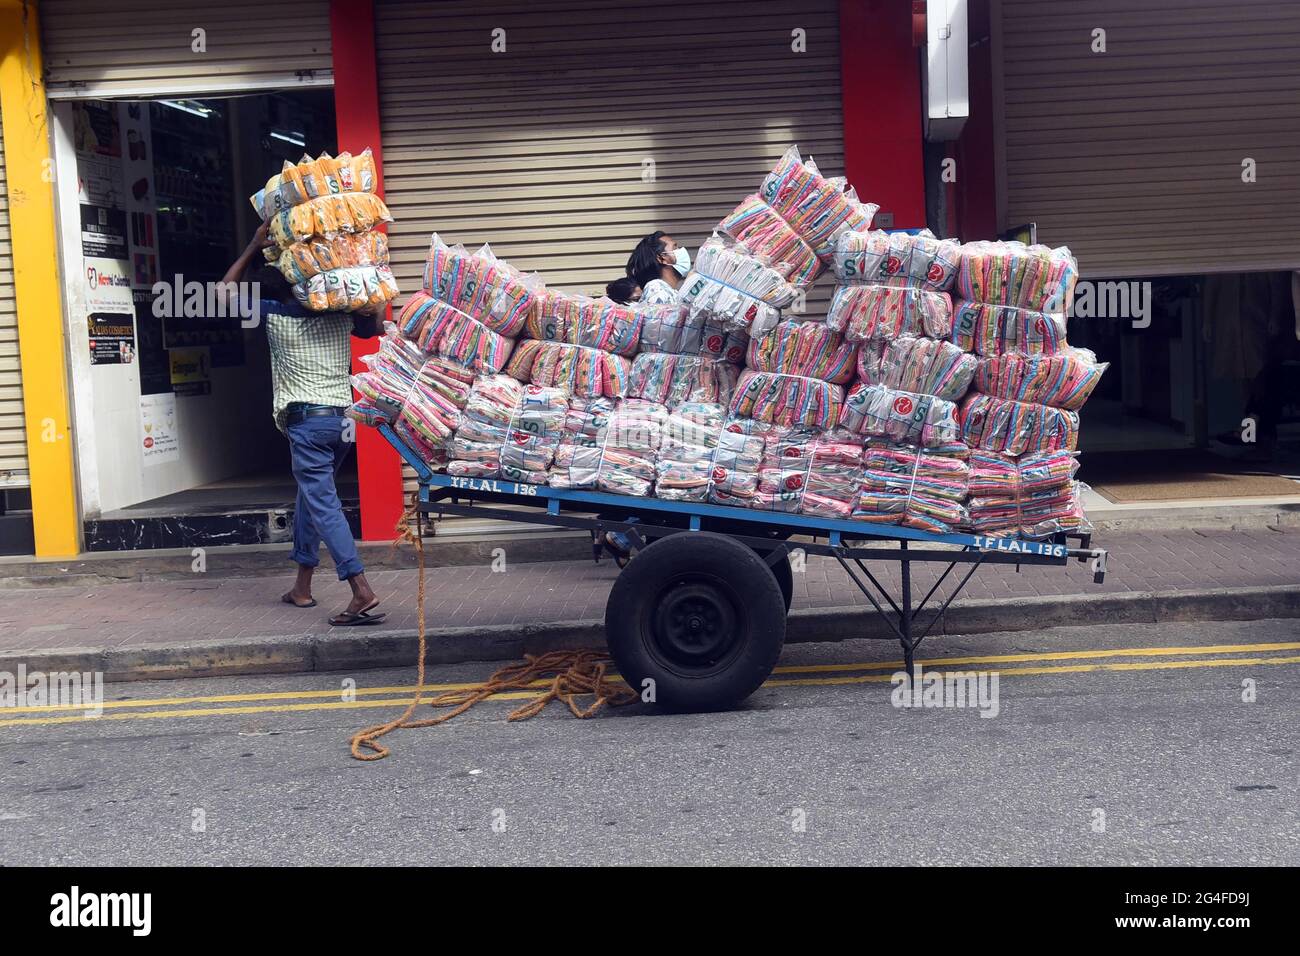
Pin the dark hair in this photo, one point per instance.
(620, 290)
(644, 265)
(274, 284)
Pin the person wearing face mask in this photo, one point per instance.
(658, 264)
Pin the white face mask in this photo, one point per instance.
(683, 261)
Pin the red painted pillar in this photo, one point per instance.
(880, 80)
(356, 109)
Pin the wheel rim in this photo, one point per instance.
(696, 626)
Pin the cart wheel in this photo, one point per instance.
(701, 616)
(784, 575)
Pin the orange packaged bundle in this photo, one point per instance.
(328, 216)
(302, 260)
(313, 178)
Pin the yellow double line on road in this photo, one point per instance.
(1101, 660)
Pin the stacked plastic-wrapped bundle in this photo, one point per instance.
(621, 460)
(508, 430)
(1035, 495)
(892, 284)
(794, 376)
(922, 488)
(1015, 298)
(471, 308)
(810, 471)
(687, 355)
(420, 396)
(320, 214)
(730, 287)
(796, 216)
(701, 459)
(580, 343)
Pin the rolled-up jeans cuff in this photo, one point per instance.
(350, 568)
(305, 560)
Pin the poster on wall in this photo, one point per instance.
(103, 232)
(158, 440)
(191, 371)
(97, 139)
(112, 338)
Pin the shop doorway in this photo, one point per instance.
(175, 402)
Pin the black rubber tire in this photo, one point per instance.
(700, 615)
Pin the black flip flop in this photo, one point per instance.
(288, 600)
(360, 618)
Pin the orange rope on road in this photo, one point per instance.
(573, 674)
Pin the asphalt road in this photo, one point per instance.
(1111, 744)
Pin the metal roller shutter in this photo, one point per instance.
(541, 150)
(144, 48)
(13, 434)
(1133, 157)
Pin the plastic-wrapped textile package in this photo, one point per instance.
(434, 456)
(436, 400)
(763, 231)
(444, 330)
(1062, 380)
(622, 461)
(310, 178)
(744, 434)
(915, 364)
(592, 323)
(674, 379)
(810, 471)
(699, 459)
(678, 330)
(1016, 428)
(585, 372)
(390, 372)
(1035, 495)
(809, 348)
(508, 430)
(918, 261)
(348, 290)
(922, 488)
(487, 289)
(299, 261)
(731, 287)
(1035, 278)
(997, 329)
(816, 208)
(865, 311)
(787, 400)
(900, 416)
(328, 216)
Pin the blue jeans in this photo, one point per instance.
(317, 449)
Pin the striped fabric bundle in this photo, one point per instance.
(1016, 428)
(699, 458)
(867, 311)
(897, 258)
(766, 234)
(435, 456)
(581, 320)
(818, 209)
(919, 488)
(674, 379)
(508, 430)
(443, 329)
(585, 372)
(808, 349)
(622, 461)
(921, 365)
(1011, 273)
(787, 400)
(680, 330)
(996, 329)
(486, 288)
(433, 405)
(899, 416)
(811, 472)
(936, 515)
(387, 379)
(1063, 380)
(734, 288)
(1035, 495)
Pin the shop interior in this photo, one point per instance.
(1166, 420)
(231, 470)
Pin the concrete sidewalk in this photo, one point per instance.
(209, 624)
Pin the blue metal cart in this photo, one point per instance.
(698, 618)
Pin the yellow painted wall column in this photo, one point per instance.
(42, 349)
